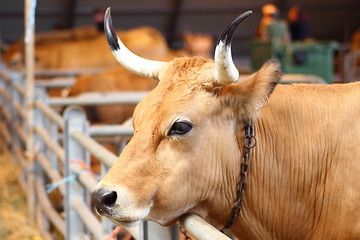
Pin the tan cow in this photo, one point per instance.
(187, 149)
(85, 47)
(89, 52)
(13, 57)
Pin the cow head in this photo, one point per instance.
(187, 137)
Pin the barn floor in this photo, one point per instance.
(14, 224)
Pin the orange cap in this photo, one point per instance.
(269, 9)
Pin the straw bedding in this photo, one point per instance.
(14, 223)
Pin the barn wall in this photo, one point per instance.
(329, 20)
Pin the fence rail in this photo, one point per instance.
(86, 99)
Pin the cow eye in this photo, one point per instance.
(180, 128)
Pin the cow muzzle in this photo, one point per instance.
(118, 204)
(103, 201)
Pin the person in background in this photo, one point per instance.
(277, 31)
(98, 17)
(267, 11)
(298, 24)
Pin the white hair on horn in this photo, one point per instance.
(132, 62)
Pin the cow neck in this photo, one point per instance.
(249, 143)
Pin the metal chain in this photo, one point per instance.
(249, 143)
(185, 233)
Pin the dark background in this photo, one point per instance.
(329, 19)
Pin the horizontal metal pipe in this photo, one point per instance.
(5, 94)
(104, 155)
(110, 130)
(5, 112)
(100, 99)
(5, 77)
(19, 153)
(5, 134)
(54, 146)
(59, 82)
(20, 89)
(50, 212)
(199, 228)
(19, 109)
(65, 72)
(88, 218)
(54, 175)
(41, 224)
(23, 185)
(20, 132)
(85, 178)
(51, 114)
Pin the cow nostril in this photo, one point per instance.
(109, 199)
(103, 201)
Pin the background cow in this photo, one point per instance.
(85, 47)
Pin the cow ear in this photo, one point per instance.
(253, 92)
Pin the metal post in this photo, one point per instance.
(22, 99)
(16, 78)
(53, 131)
(40, 120)
(75, 119)
(29, 72)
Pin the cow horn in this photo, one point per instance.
(129, 60)
(225, 69)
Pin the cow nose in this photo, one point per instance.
(103, 201)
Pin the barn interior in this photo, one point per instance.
(333, 21)
(54, 56)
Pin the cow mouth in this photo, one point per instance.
(125, 222)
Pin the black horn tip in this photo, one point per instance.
(109, 31)
(227, 34)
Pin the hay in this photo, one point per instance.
(14, 223)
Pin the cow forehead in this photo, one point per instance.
(181, 91)
(190, 72)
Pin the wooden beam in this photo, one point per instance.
(173, 28)
(70, 8)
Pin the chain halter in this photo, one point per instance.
(249, 143)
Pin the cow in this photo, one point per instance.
(185, 155)
(85, 47)
(188, 143)
(13, 57)
(82, 51)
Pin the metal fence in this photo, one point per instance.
(60, 161)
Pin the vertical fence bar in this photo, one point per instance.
(75, 119)
(39, 145)
(22, 100)
(29, 69)
(15, 78)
